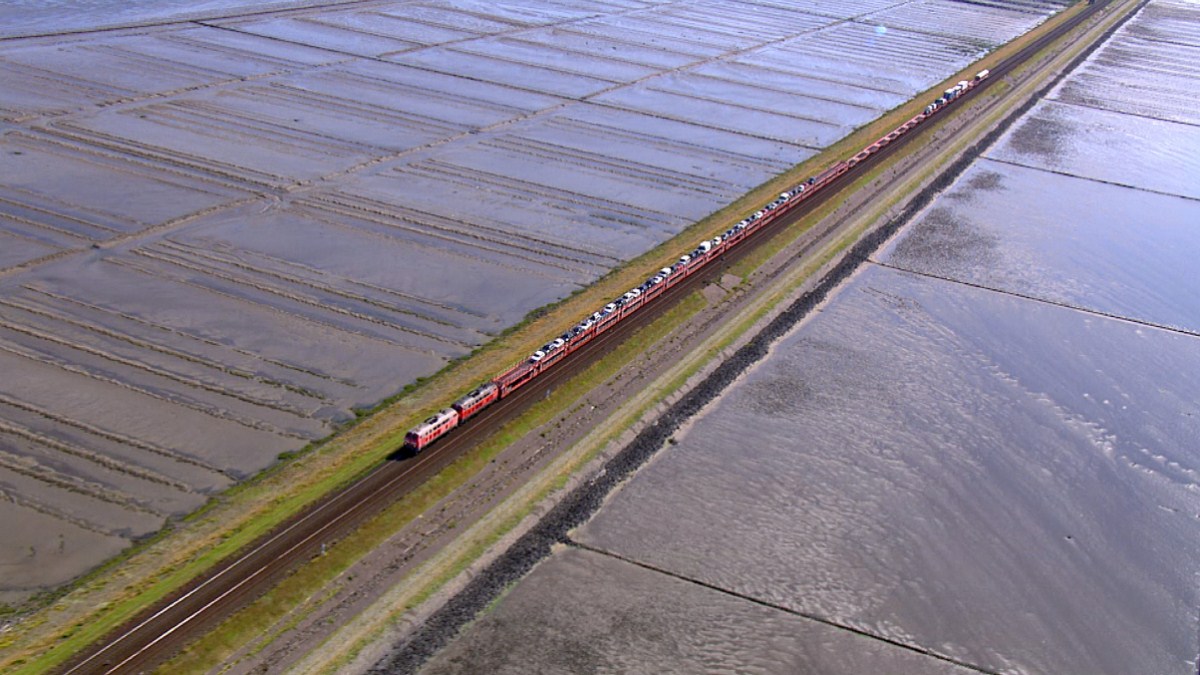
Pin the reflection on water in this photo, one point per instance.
(999, 481)
(1084, 243)
(1106, 146)
(582, 612)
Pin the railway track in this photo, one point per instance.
(157, 633)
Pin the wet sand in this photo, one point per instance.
(1064, 239)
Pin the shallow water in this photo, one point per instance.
(18, 247)
(1147, 69)
(156, 492)
(581, 612)
(963, 19)
(76, 501)
(1083, 243)
(97, 196)
(1111, 147)
(213, 438)
(42, 550)
(1090, 200)
(728, 113)
(37, 17)
(1003, 482)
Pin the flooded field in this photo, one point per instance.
(1083, 243)
(1091, 200)
(640, 621)
(1002, 482)
(219, 236)
(982, 448)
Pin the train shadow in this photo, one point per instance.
(400, 454)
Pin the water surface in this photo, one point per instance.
(1004, 482)
(581, 612)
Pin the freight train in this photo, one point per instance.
(688, 264)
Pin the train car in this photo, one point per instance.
(917, 119)
(431, 429)
(479, 398)
(608, 315)
(554, 352)
(516, 377)
(587, 331)
(699, 257)
(827, 175)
